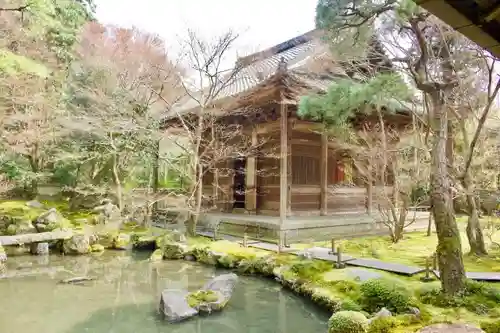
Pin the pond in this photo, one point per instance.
(125, 295)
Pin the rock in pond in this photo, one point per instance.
(39, 248)
(143, 242)
(174, 250)
(223, 287)
(451, 328)
(157, 255)
(121, 242)
(177, 305)
(97, 248)
(78, 244)
(174, 306)
(77, 280)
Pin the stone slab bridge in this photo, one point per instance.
(36, 238)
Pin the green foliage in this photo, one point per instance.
(383, 325)
(13, 64)
(59, 21)
(491, 327)
(200, 297)
(345, 98)
(477, 297)
(347, 321)
(350, 305)
(310, 269)
(379, 293)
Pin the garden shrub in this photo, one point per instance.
(350, 305)
(491, 327)
(347, 321)
(477, 297)
(379, 293)
(383, 325)
(310, 269)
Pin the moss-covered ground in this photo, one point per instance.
(414, 249)
(337, 289)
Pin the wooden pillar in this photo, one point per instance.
(283, 168)
(324, 175)
(289, 169)
(251, 176)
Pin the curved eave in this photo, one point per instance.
(479, 23)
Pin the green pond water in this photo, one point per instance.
(125, 295)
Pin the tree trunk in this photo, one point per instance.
(118, 184)
(449, 249)
(429, 226)
(474, 231)
(197, 168)
(156, 175)
(34, 164)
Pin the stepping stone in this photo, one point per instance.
(362, 274)
(322, 253)
(205, 233)
(386, 266)
(478, 276)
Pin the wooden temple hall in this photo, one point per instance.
(294, 181)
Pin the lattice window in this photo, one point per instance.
(306, 170)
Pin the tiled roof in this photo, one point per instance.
(297, 53)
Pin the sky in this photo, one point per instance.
(260, 23)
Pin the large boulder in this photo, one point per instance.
(177, 305)
(78, 244)
(20, 225)
(16, 217)
(174, 250)
(222, 286)
(174, 305)
(451, 328)
(39, 248)
(143, 242)
(109, 213)
(50, 220)
(122, 242)
(114, 240)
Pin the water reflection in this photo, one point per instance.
(124, 298)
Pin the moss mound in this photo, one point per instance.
(491, 327)
(348, 322)
(200, 297)
(383, 325)
(379, 293)
(478, 298)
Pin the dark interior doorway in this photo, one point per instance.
(239, 182)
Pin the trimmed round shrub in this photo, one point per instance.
(379, 293)
(347, 322)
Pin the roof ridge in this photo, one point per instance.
(278, 48)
